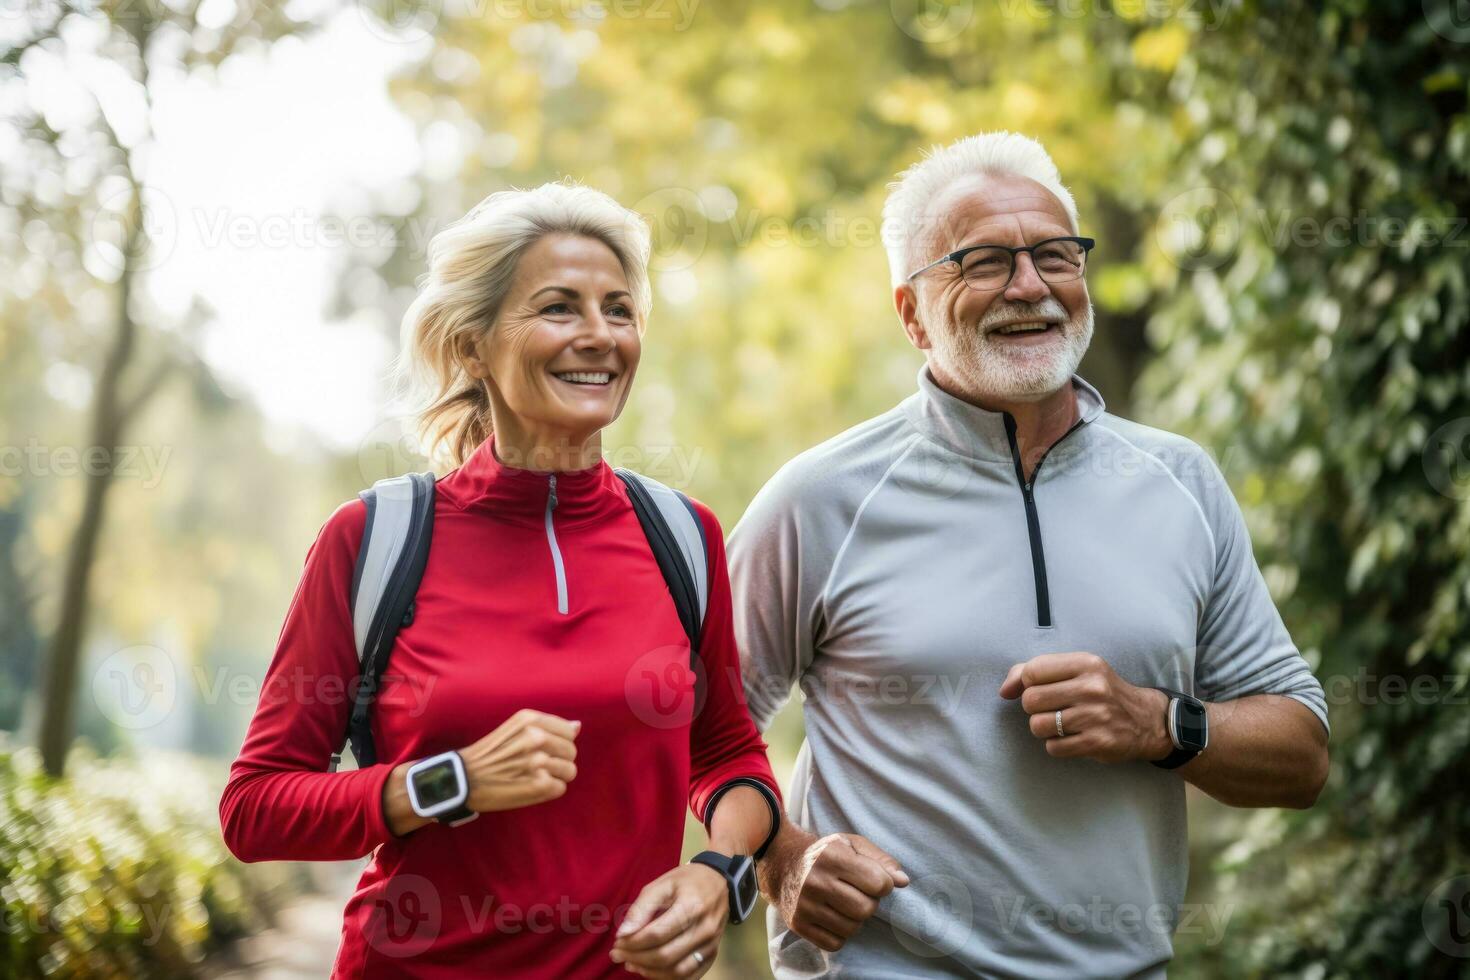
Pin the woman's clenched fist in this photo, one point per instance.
(527, 760)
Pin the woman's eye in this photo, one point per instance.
(620, 311)
(557, 308)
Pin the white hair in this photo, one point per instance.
(472, 264)
(906, 212)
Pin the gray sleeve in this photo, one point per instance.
(774, 583)
(1244, 648)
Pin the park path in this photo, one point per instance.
(303, 943)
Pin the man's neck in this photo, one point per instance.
(1039, 424)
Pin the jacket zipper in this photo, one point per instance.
(1033, 521)
(561, 572)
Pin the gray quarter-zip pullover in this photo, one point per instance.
(895, 573)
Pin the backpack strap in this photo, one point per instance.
(390, 564)
(676, 536)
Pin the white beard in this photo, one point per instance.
(993, 369)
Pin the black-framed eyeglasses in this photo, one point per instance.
(990, 267)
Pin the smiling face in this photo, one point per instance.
(560, 358)
(1018, 344)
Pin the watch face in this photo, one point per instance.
(435, 784)
(1190, 725)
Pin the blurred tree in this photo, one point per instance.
(106, 221)
(1317, 337)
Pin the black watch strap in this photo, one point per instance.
(457, 816)
(1176, 758)
(766, 794)
(737, 870)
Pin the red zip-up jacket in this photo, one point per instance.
(531, 892)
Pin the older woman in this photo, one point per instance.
(515, 692)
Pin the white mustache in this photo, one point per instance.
(1048, 309)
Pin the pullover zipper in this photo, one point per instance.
(561, 572)
(1033, 521)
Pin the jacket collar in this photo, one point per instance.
(484, 483)
(973, 431)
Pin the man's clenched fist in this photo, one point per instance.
(826, 888)
(1081, 708)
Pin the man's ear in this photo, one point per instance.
(906, 302)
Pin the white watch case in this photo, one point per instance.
(454, 802)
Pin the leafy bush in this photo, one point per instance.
(1318, 339)
(118, 870)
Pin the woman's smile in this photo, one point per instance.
(585, 379)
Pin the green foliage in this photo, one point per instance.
(1318, 338)
(118, 870)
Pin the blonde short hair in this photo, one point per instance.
(471, 266)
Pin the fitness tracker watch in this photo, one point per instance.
(739, 874)
(1189, 729)
(438, 789)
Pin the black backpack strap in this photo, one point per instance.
(676, 536)
(390, 564)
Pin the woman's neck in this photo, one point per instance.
(547, 453)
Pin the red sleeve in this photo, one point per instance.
(723, 742)
(280, 802)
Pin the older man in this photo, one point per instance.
(1020, 625)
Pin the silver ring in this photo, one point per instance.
(1060, 732)
(698, 958)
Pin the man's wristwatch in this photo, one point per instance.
(739, 874)
(1189, 729)
(438, 788)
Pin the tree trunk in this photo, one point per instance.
(109, 414)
